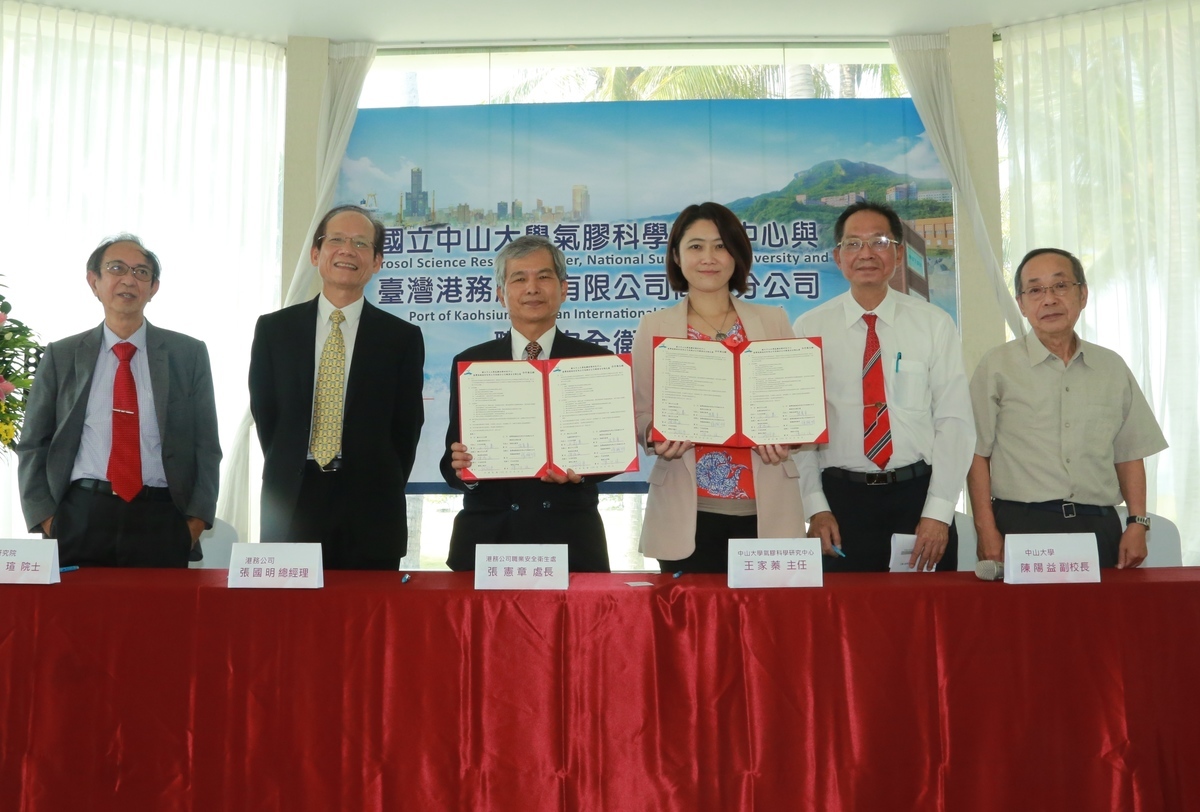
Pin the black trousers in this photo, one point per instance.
(1017, 517)
(102, 530)
(318, 520)
(713, 532)
(868, 515)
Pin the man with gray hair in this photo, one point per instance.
(1063, 428)
(531, 283)
(120, 458)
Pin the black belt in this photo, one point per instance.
(1069, 510)
(147, 493)
(335, 464)
(917, 469)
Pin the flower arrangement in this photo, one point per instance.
(20, 353)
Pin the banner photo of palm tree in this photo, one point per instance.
(605, 181)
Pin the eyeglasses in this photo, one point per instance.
(877, 244)
(347, 242)
(141, 273)
(1038, 292)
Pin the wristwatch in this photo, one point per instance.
(1144, 521)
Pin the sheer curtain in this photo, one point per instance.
(109, 125)
(1104, 130)
(348, 66)
(925, 66)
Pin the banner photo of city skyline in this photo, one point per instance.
(605, 182)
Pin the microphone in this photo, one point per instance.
(989, 570)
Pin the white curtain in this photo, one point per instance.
(348, 66)
(109, 125)
(1104, 130)
(925, 66)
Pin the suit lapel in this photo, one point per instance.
(85, 368)
(160, 376)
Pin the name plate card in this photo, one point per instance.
(521, 566)
(276, 566)
(28, 561)
(903, 545)
(1051, 558)
(758, 563)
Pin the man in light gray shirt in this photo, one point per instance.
(1062, 426)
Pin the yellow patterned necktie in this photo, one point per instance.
(327, 403)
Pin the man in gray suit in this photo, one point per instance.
(119, 457)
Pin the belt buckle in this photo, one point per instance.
(881, 478)
(1071, 506)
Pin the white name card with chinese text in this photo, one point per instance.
(755, 563)
(521, 566)
(28, 561)
(902, 550)
(276, 566)
(1051, 558)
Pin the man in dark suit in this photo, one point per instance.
(531, 282)
(119, 458)
(335, 389)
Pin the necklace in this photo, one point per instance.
(718, 333)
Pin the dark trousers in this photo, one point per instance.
(101, 530)
(868, 515)
(318, 520)
(713, 532)
(1018, 517)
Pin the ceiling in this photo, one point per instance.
(478, 22)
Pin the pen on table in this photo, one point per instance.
(71, 568)
(898, 361)
(676, 575)
(838, 550)
(404, 580)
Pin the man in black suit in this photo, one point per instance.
(531, 282)
(120, 458)
(334, 469)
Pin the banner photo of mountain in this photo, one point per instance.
(604, 181)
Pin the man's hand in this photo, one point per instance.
(555, 478)
(459, 458)
(46, 525)
(824, 526)
(932, 538)
(989, 544)
(195, 527)
(673, 449)
(1132, 551)
(773, 454)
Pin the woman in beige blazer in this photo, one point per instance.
(739, 493)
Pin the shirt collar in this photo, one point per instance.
(138, 339)
(1038, 353)
(885, 310)
(519, 342)
(352, 311)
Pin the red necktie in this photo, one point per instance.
(877, 426)
(125, 457)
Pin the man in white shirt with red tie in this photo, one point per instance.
(119, 457)
(901, 434)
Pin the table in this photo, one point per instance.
(163, 690)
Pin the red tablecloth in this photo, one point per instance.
(163, 690)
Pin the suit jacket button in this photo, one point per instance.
(515, 506)
(546, 505)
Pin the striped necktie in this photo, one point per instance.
(877, 426)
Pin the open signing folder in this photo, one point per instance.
(769, 392)
(521, 419)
